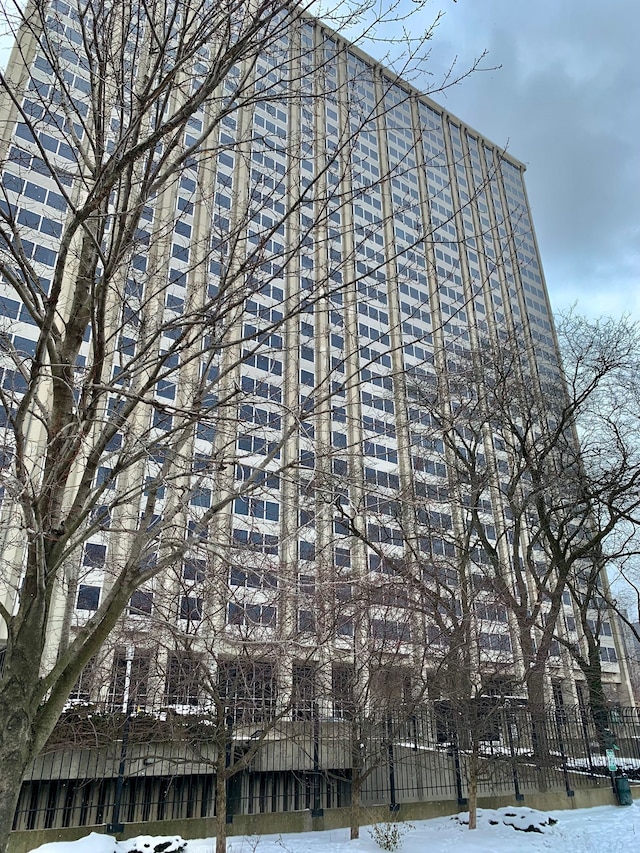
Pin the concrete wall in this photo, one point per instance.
(302, 821)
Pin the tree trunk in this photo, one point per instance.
(535, 685)
(535, 694)
(221, 811)
(15, 755)
(21, 737)
(598, 704)
(357, 734)
(356, 800)
(538, 716)
(10, 784)
(472, 783)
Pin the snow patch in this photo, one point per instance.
(603, 829)
(518, 817)
(95, 843)
(152, 844)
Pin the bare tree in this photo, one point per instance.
(247, 682)
(273, 655)
(382, 679)
(467, 667)
(139, 272)
(551, 477)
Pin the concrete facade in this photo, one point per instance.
(417, 242)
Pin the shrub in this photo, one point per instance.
(389, 835)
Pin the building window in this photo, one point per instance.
(342, 688)
(390, 687)
(101, 515)
(342, 557)
(344, 592)
(94, 555)
(194, 570)
(344, 625)
(88, 597)
(340, 467)
(377, 564)
(306, 621)
(184, 676)
(608, 655)
(83, 688)
(494, 642)
(306, 550)
(303, 692)
(118, 687)
(141, 603)
(252, 615)
(129, 678)
(201, 497)
(104, 477)
(307, 517)
(191, 608)
(256, 541)
(161, 420)
(307, 585)
(390, 630)
(198, 531)
(253, 578)
(257, 508)
(248, 689)
(139, 676)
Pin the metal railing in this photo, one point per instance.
(111, 767)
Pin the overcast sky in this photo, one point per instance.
(567, 101)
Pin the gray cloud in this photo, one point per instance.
(566, 100)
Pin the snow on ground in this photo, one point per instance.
(605, 829)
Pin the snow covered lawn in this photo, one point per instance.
(605, 829)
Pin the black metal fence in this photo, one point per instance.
(103, 767)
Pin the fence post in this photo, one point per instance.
(394, 806)
(462, 801)
(228, 757)
(510, 723)
(585, 733)
(317, 810)
(563, 754)
(116, 826)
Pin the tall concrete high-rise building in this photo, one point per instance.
(296, 290)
